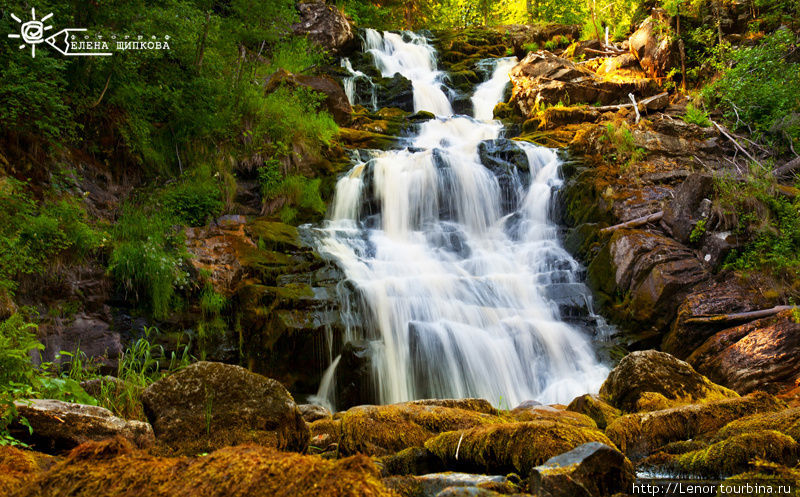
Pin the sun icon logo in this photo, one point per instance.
(31, 32)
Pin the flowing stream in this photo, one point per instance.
(456, 262)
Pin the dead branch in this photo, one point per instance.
(740, 316)
(738, 146)
(639, 221)
(786, 169)
(644, 102)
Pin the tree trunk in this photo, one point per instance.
(201, 50)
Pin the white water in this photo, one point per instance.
(350, 83)
(454, 292)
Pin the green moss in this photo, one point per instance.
(601, 412)
(410, 461)
(734, 455)
(510, 447)
(641, 434)
(383, 430)
(274, 235)
(547, 413)
(786, 421)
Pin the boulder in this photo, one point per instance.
(552, 413)
(589, 470)
(601, 412)
(313, 412)
(452, 485)
(96, 470)
(325, 435)
(722, 294)
(641, 434)
(384, 430)
(657, 372)
(760, 355)
(510, 447)
(786, 421)
(410, 461)
(509, 163)
(335, 98)
(210, 405)
(326, 25)
(652, 49)
(543, 78)
(59, 426)
(685, 209)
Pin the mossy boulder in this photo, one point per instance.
(590, 470)
(552, 413)
(786, 421)
(734, 455)
(93, 471)
(454, 485)
(641, 434)
(210, 405)
(411, 461)
(601, 412)
(325, 435)
(510, 447)
(18, 466)
(648, 372)
(384, 430)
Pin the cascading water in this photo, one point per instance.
(455, 262)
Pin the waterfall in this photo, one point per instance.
(457, 260)
(349, 83)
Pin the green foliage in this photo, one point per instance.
(194, 200)
(301, 195)
(295, 55)
(147, 260)
(760, 89)
(286, 115)
(620, 146)
(696, 115)
(767, 221)
(698, 231)
(531, 47)
(17, 373)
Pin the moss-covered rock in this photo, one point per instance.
(454, 485)
(592, 469)
(510, 447)
(652, 372)
(18, 466)
(325, 435)
(638, 435)
(410, 461)
(786, 421)
(211, 405)
(552, 413)
(601, 412)
(384, 430)
(733, 455)
(231, 472)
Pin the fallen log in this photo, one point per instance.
(642, 103)
(639, 221)
(740, 316)
(787, 168)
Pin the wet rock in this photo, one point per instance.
(90, 333)
(641, 434)
(542, 77)
(395, 92)
(451, 485)
(59, 426)
(786, 421)
(723, 294)
(504, 448)
(509, 163)
(552, 413)
(353, 377)
(313, 412)
(217, 250)
(589, 470)
(384, 430)
(411, 461)
(658, 372)
(601, 412)
(326, 25)
(210, 405)
(760, 355)
(683, 213)
(354, 138)
(242, 470)
(652, 49)
(325, 435)
(335, 98)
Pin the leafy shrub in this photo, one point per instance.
(194, 201)
(531, 47)
(695, 115)
(760, 89)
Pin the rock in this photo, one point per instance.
(760, 355)
(313, 412)
(652, 49)
(326, 25)
(325, 435)
(395, 92)
(641, 434)
(551, 413)
(95, 387)
(59, 426)
(411, 461)
(543, 78)
(683, 213)
(452, 485)
(594, 407)
(384, 430)
(658, 372)
(510, 447)
(625, 64)
(591, 470)
(335, 98)
(353, 138)
(232, 471)
(786, 421)
(655, 271)
(735, 455)
(210, 405)
(90, 333)
(17, 467)
(509, 163)
(555, 117)
(722, 294)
